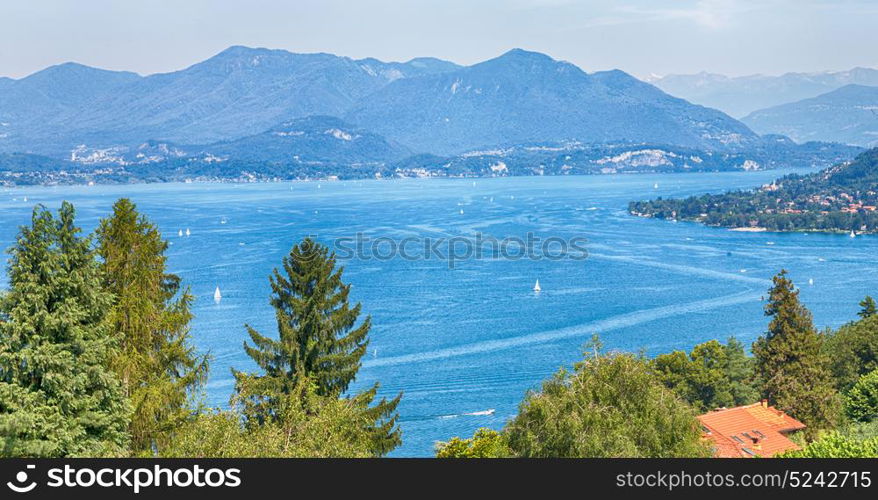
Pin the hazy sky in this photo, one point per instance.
(645, 36)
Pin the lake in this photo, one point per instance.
(460, 341)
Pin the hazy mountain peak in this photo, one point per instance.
(742, 95)
(77, 70)
(848, 114)
(520, 57)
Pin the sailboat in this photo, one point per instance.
(180, 233)
(188, 232)
(811, 281)
(461, 211)
(217, 296)
(537, 287)
(655, 186)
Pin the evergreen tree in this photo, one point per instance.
(790, 362)
(319, 341)
(57, 396)
(156, 363)
(868, 307)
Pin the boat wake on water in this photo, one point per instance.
(603, 325)
(482, 413)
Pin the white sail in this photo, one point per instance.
(537, 287)
(217, 296)
(188, 232)
(180, 233)
(811, 281)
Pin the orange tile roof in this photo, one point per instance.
(751, 430)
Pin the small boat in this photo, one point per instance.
(223, 220)
(217, 296)
(188, 232)
(655, 186)
(537, 287)
(489, 411)
(461, 211)
(811, 281)
(769, 243)
(180, 233)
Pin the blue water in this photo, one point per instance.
(475, 337)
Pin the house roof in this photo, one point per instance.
(748, 431)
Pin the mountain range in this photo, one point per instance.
(277, 113)
(526, 96)
(847, 115)
(740, 96)
(239, 92)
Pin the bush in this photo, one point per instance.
(836, 445)
(485, 443)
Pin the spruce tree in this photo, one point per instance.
(790, 363)
(319, 342)
(868, 307)
(57, 396)
(155, 362)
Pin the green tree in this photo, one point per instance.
(485, 443)
(861, 402)
(610, 406)
(57, 396)
(738, 368)
(156, 363)
(868, 308)
(790, 363)
(319, 341)
(853, 351)
(713, 375)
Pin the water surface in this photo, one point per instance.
(461, 341)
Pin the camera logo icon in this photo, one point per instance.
(21, 478)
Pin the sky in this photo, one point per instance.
(642, 37)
